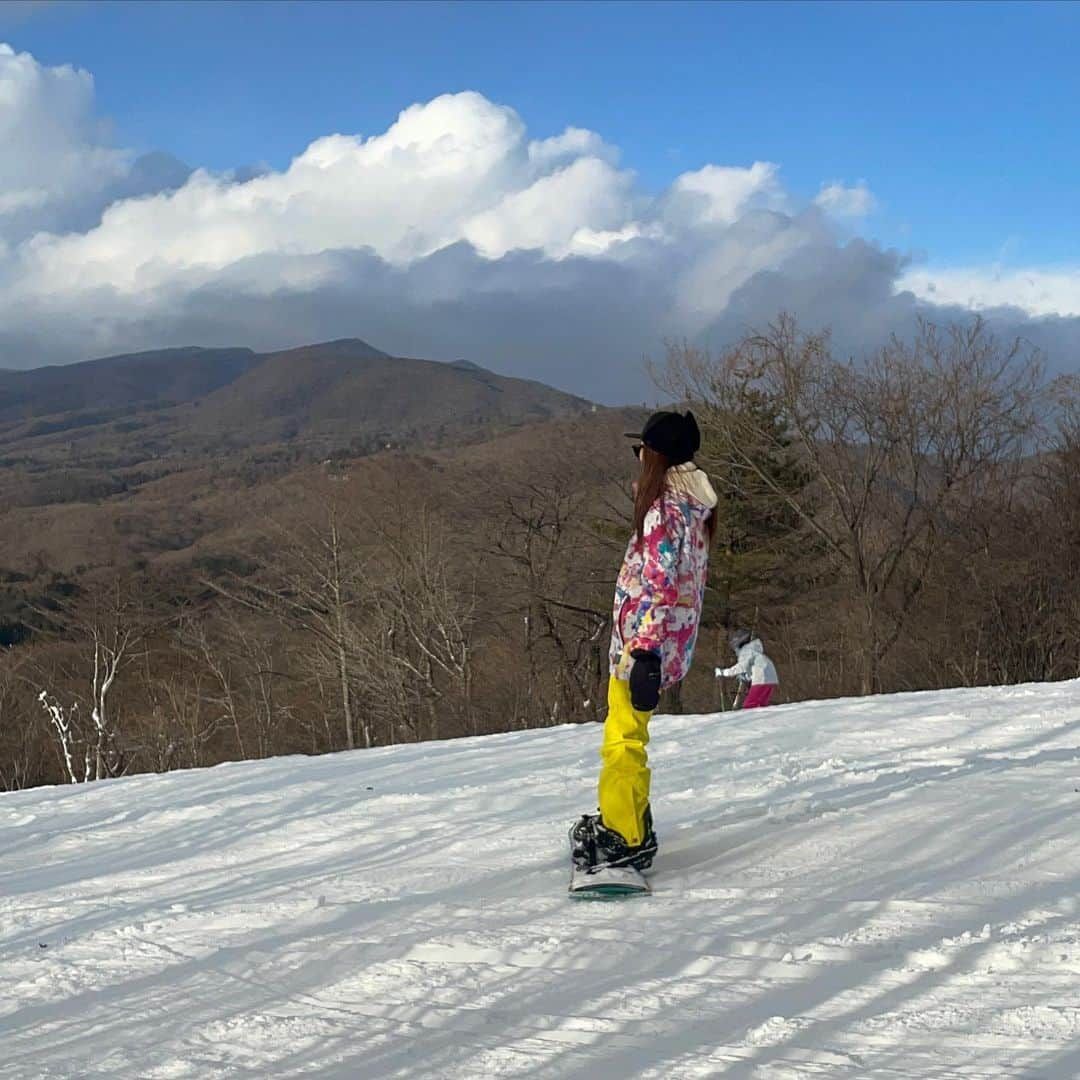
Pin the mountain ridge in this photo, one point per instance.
(334, 391)
(103, 428)
(166, 375)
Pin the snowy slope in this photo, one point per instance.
(877, 888)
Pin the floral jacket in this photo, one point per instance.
(662, 581)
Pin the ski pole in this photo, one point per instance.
(739, 693)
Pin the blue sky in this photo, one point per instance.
(962, 118)
(551, 189)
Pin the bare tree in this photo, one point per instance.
(106, 626)
(412, 631)
(561, 562)
(311, 585)
(1013, 602)
(896, 447)
(221, 691)
(63, 723)
(21, 748)
(268, 708)
(239, 660)
(179, 720)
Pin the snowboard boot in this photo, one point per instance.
(583, 841)
(592, 844)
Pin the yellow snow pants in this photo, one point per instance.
(624, 774)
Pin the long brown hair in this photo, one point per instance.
(649, 488)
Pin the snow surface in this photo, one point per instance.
(884, 887)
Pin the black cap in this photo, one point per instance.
(675, 435)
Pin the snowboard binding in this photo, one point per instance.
(593, 845)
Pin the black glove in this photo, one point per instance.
(645, 680)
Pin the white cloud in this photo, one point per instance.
(846, 202)
(587, 195)
(573, 143)
(458, 168)
(720, 194)
(1037, 292)
(450, 233)
(55, 150)
(753, 245)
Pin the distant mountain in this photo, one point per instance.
(352, 348)
(342, 395)
(165, 376)
(321, 392)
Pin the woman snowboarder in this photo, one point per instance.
(658, 600)
(752, 667)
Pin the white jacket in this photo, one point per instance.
(752, 665)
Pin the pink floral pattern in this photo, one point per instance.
(661, 587)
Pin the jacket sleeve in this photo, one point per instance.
(661, 543)
(741, 667)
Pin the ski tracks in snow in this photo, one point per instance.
(884, 888)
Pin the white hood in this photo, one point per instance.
(752, 665)
(690, 480)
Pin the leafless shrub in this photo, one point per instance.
(898, 448)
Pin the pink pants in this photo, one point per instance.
(757, 697)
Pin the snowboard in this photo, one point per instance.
(607, 882)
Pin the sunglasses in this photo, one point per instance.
(636, 450)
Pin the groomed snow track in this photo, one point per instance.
(883, 887)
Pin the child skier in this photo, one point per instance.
(751, 666)
(658, 600)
